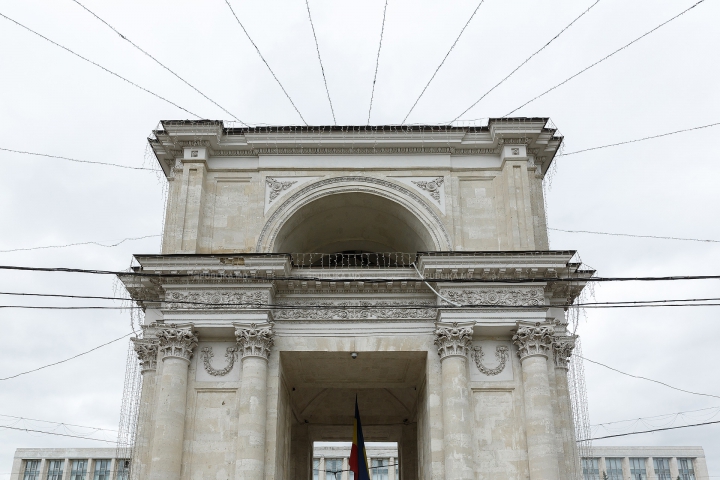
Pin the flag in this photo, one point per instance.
(358, 457)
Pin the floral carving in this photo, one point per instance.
(453, 341)
(147, 350)
(216, 300)
(518, 297)
(176, 342)
(255, 341)
(563, 346)
(535, 340)
(362, 309)
(431, 186)
(277, 186)
(207, 354)
(501, 353)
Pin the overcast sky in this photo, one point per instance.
(55, 103)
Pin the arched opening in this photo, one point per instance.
(353, 223)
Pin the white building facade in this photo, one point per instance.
(69, 464)
(646, 463)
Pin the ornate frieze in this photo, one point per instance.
(453, 340)
(147, 350)
(534, 340)
(355, 310)
(501, 354)
(514, 297)
(213, 299)
(230, 354)
(432, 187)
(277, 186)
(176, 342)
(563, 346)
(255, 341)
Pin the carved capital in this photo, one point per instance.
(176, 342)
(147, 350)
(563, 346)
(535, 340)
(453, 341)
(254, 341)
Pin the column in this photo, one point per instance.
(626, 468)
(391, 468)
(534, 344)
(345, 469)
(453, 345)
(254, 344)
(66, 469)
(563, 346)
(147, 352)
(700, 467)
(175, 346)
(674, 472)
(650, 468)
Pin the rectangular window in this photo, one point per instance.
(123, 469)
(591, 468)
(685, 469)
(316, 469)
(32, 470)
(78, 470)
(662, 468)
(102, 470)
(637, 469)
(333, 468)
(55, 469)
(379, 469)
(613, 468)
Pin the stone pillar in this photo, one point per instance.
(147, 352)
(700, 467)
(321, 469)
(674, 472)
(345, 469)
(650, 468)
(391, 468)
(453, 345)
(254, 346)
(562, 350)
(534, 344)
(175, 346)
(626, 468)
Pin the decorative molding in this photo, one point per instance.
(255, 341)
(533, 341)
(514, 141)
(514, 297)
(176, 342)
(501, 353)
(147, 351)
(453, 341)
(277, 186)
(254, 152)
(207, 354)
(355, 310)
(431, 186)
(563, 346)
(214, 300)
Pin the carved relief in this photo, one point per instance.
(563, 346)
(176, 342)
(214, 300)
(230, 355)
(361, 309)
(255, 341)
(453, 341)
(431, 186)
(518, 297)
(277, 186)
(501, 353)
(535, 340)
(147, 350)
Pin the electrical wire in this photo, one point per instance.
(637, 140)
(649, 431)
(603, 59)
(100, 66)
(58, 423)
(443, 61)
(58, 434)
(158, 61)
(526, 61)
(656, 416)
(80, 243)
(265, 61)
(322, 69)
(79, 161)
(377, 62)
(636, 236)
(67, 359)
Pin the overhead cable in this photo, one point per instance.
(603, 59)
(322, 69)
(80, 243)
(525, 61)
(65, 424)
(158, 62)
(265, 61)
(443, 61)
(100, 66)
(655, 416)
(650, 431)
(79, 161)
(58, 434)
(636, 236)
(377, 62)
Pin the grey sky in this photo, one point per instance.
(54, 103)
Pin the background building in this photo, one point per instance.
(69, 464)
(646, 463)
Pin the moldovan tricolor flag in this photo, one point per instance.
(358, 457)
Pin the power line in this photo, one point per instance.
(649, 379)
(100, 66)
(443, 61)
(636, 236)
(157, 61)
(377, 62)
(637, 140)
(526, 61)
(55, 433)
(80, 243)
(322, 69)
(650, 431)
(57, 423)
(79, 161)
(67, 359)
(602, 59)
(655, 416)
(265, 61)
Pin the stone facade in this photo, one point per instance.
(646, 463)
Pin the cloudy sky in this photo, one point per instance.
(57, 104)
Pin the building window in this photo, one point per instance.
(102, 470)
(379, 469)
(613, 467)
(685, 469)
(55, 469)
(316, 469)
(123, 469)
(662, 468)
(32, 470)
(591, 468)
(78, 470)
(333, 468)
(637, 469)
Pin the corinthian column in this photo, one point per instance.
(534, 344)
(453, 345)
(176, 346)
(147, 352)
(562, 349)
(254, 346)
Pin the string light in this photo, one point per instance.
(377, 62)
(322, 69)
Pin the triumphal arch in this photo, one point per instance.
(304, 267)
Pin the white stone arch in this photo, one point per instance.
(410, 201)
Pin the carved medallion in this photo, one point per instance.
(501, 353)
(277, 186)
(432, 186)
(230, 355)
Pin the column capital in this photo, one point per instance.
(453, 340)
(563, 346)
(177, 342)
(147, 350)
(533, 340)
(255, 341)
